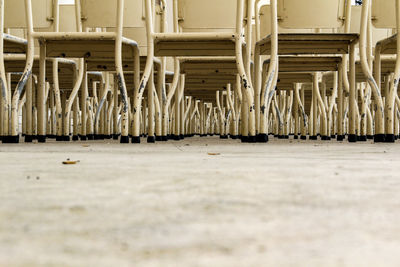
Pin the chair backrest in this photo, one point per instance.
(103, 13)
(306, 14)
(377, 33)
(67, 18)
(265, 23)
(139, 33)
(384, 13)
(208, 15)
(169, 16)
(14, 13)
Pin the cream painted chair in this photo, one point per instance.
(162, 17)
(205, 76)
(386, 15)
(210, 28)
(365, 99)
(100, 45)
(301, 15)
(13, 16)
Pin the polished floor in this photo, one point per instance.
(200, 202)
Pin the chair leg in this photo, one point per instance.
(71, 99)
(41, 112)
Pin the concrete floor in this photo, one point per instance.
(286, 203)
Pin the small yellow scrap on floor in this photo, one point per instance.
(70, 162)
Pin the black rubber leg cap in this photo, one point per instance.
(379, 138)
(286, 137)
(223, 137)
(333, 136)
(352, 138)
(135, 139)
(115, 136)
(28, 139)
(362, 138)
(10, 139)
(252, 139)
(324, 138)
(59, 138)
(181, 136)
(340, 138)
(176, 137)
(303, 137)
(295, 137)
(84, 137)
(389, 138)
(158, 138)
(75, 138)
(41, 138)
(313, 137)
(125, 140)
(151, 139)
(234, 137)
(262, 138)
(66, 138)
(164, 138)
(281, 136)
(244, 139)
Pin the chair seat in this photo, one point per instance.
(93, 45)
(287, 79)
(95, 64)
(204, 86)
(66, 69)
(208, 65)
(308, 63)
(14, 44)
(388, 46)
(309, 43)
(194, 44)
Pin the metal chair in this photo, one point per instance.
(295, 15)
(386, 15)
(217, 31)
(14, 17)
(98, 45)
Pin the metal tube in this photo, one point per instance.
(245, 76)
(394, 84)
(297, 88)
(70, 100)
(271, 78)
(148, 68)
(14, 134)
(352, 97)
(379, 129)
(150, 104)
(5, 105)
